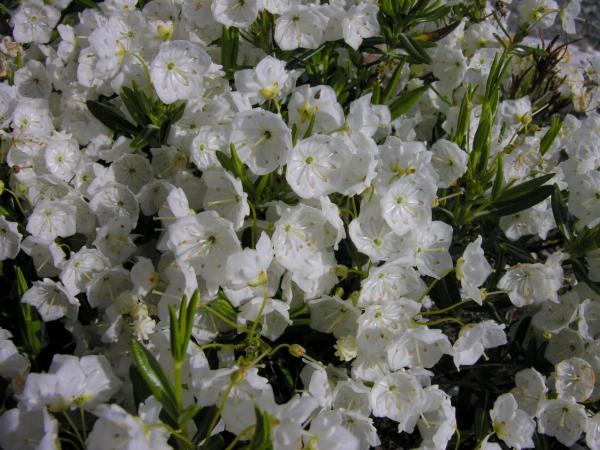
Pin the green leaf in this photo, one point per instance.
(145, 137)
(525, 188)
(154, 377)
(215, 442)
(261, 440)
(111, 118)
(175, 334)
(32, 327)
(406, 101)
(499, 178)
(515, 205)
(203, 420)
(135, 105)
(239, 170)
(225, 161)
(561, 213)
(550, 135)
(414, 49)
(224, 307)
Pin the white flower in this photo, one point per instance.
(346, 348)
(225, 194)
(205, 241)
(115, 428)
(449, 161)
(318, 101)
(360, 23)
(562, 418)
(115, 200)
(472, 269)
(178, 69)
(235, 13)
(12, 363)
(407, 204)
(400, 397)
(52, 219)
(418, 347)
(474, 339)
(10, 239)
(326, 431)
(71, 382)
(300, 27)
(267, 81)
(51, 300)
(34, 22)
(530, 390)
(575, 378)
(28, 430)
(511, 424)
(261, 139)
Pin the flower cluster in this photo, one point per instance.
(291, 224)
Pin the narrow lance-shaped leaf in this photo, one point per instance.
(406, 101)
(154, 377)
(111, 118)
(561, 213)
(550, 135)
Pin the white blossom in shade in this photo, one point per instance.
(274, 316)
(209, 140)
(261, 139)
(32, 80)
(34, 22)
(62, 158)
(28, 430)
(473, 339)
(584, 199)
(81, 268)
(178, 70)
(326, 431)
(346, 348)
(105, 287)
(133, 171)
(472, 269)
(51, 300)
(71, 382)
(116, 428)
(114, 240)
(360, 23)
(300, 27)
(438, 422)
(449, 162)
(592, 432)
(562, 418)
(235, 13)
(575, 378)
(530, 390)
(248, 270)
(535, 220)
(528, 284)
(10, 239)
(431, 255)
(540, 12)
(418, 347)
(511, 424)
(398, 396)
(115, 200)
(47, 256)
(319, 102)
(312, 163)
(205, 241)
(390, 281)
(50, 220)
(12, 363)
(267, 81)
(568, 15)
(225, 194)
(372, 236)
(333, 315)
(407, 204)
